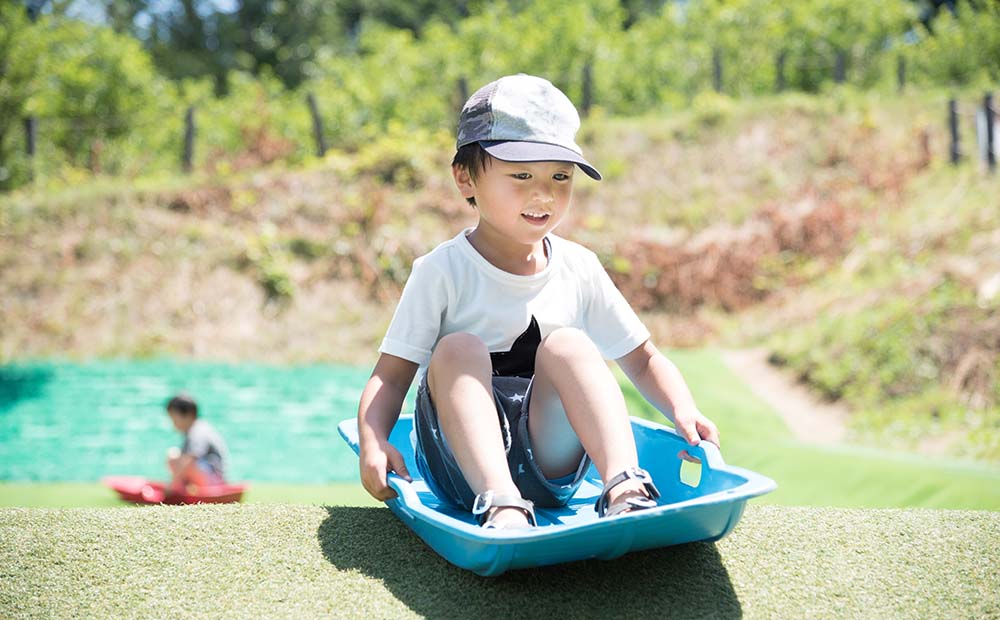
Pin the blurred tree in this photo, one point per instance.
(635, 10)
(408, 14)
(93, 85)
(210, 38)
(19, 60)
(282, 36)
(964, 46)
(929, 10)
(121, 14)
(185, 42)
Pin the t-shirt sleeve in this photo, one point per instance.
(416, 324)
(610, 321)
(198, 443)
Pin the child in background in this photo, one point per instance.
(509, 327)
(201, 460)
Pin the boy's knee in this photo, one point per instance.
(566, 343)
(458, 348)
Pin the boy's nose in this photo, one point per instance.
(543, 194)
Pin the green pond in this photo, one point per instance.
(79, 422)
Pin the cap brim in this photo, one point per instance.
(510, 150)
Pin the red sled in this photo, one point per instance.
(140, 490)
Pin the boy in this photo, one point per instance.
(201, 460)
(509, 327)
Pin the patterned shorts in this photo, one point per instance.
(438, 467)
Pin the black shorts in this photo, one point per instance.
(438, 467)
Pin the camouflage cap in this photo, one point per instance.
(523, 118)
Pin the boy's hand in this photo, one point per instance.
(694, 426)
(376, 463)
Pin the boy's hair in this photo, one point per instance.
(473, 158)
(183, 403)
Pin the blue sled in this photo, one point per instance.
(704, 508)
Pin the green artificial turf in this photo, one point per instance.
(282, 561)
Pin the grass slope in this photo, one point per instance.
(279, 561)
(753, 436)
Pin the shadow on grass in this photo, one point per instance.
(686, 581)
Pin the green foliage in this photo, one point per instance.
(19, 59)
(963, 49)
(103, 107)
(401, 157)
(271, 261)
(94, 85)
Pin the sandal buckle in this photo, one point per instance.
(602, 505)
(483, 502)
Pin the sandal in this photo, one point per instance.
(488, 499)
(605, 508)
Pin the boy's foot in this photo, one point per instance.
(506, 518)
(621, 494)
(629, 491)
(503, 511)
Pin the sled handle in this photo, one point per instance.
(708, 453)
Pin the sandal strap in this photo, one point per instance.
(489, 499)
(603, 505)
(630, 504)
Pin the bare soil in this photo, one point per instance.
(810, 418)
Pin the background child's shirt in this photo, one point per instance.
(455, 289)
(206, 444)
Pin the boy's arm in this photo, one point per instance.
(378, 411)
(661, 383)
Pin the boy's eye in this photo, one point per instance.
(561, 176)
(523, 176)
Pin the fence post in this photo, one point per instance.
(463, 92)
(991, 158)
(840, 67)
(30, 131)
(317, 125)
(32, 8)
(189, 129)
(901, 73)
(588, 90)
(955, 151)
(717, 70)
(779, 71)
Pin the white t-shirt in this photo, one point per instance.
(455, 289)
(205, 443)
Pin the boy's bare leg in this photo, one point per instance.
(460, 380)
(184, 471)
(576, 404)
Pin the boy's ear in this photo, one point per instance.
(463, 181)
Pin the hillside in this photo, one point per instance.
(828, 229)
(310, 562)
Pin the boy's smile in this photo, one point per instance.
(519, 203)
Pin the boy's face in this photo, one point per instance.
(520, 202)
(181, 421)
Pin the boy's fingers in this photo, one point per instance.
(710, 433)
(690, 432)
(399, 466)
(373, 479)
